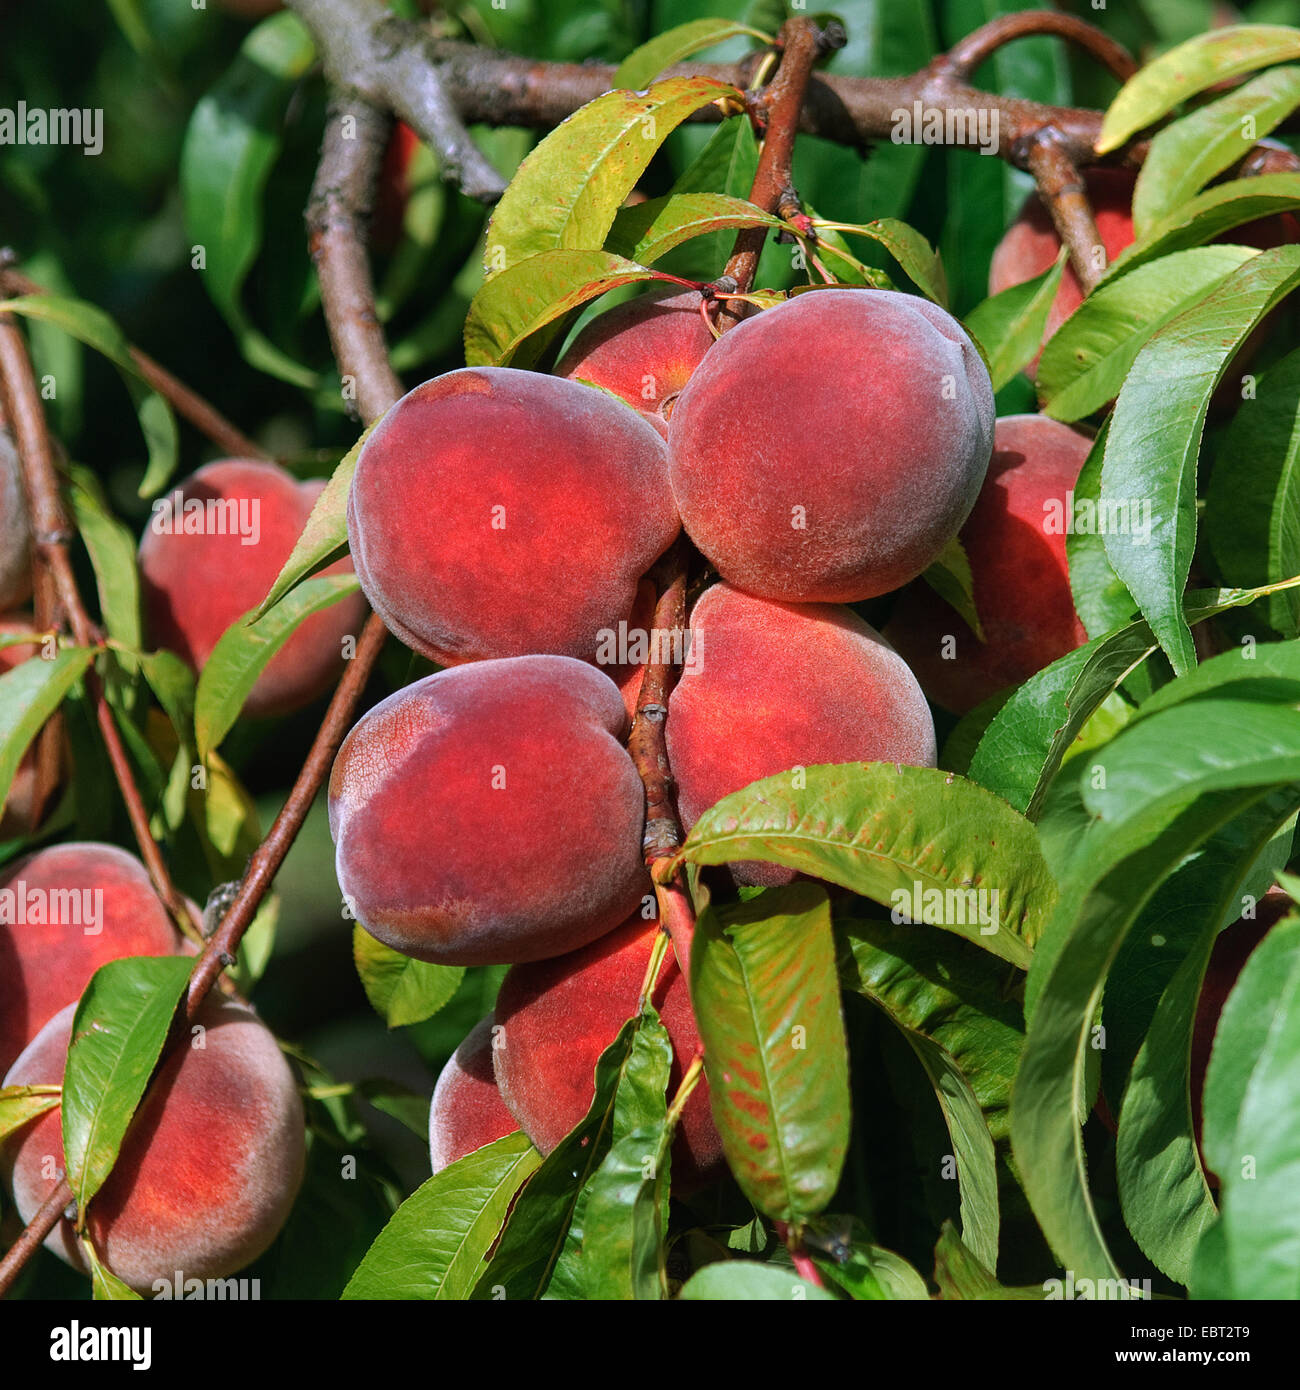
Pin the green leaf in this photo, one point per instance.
(950, 577)
(1185, 156)
(767, 999)
(1154, 439)
(1162, 1187)
(1191, 67)
(921, 263)
(651, 229)
(569, 188)
(29, 694)
(625, 1220)
(1166, 790)
(1100, 598)
(525, 1258)
(118, 1032)
(1086, 360)
(961, 1277)
(912, 838)
(437, 1243)
(402, 990)
(1009, 327)
(92, 326)
(231, 144)
(1252, 1128)
(734, 1281)
(112, 556)
(246, 648)
(1207, 217)
(516, 305)
(1252, 509)
(105, 1285)
(19, 1105)
(644, 64)
(324, 536)
(1027, 738)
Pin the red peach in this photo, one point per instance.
(467, 1111)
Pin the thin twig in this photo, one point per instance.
(1064, 194)
(773, 188)
(51, 535)
(966, 56)
(34, 1233)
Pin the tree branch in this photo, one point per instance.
(389, 63)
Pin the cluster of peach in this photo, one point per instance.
(503, 523)
(211, 1167)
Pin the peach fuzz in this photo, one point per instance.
(46, 964)
(1020, 571)
(557, 1017)
(643, 350)
(498, 513)
(490, 813)
(826, 450)
(467, 1111)
(196, 583)
(209, 1169)
(768, 687)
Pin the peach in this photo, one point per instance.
(209, 1169)
(828, 449)
(769, 687)
(1016, 546)
(211, 552)
(556, 1018)
(15, 529)
(467, 1111)
(1031, 244)
(1232, 949)
(15, 818)
(65, 911)
(498, 513)
(643, 350)
(490, 813)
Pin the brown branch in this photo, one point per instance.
(1062, 189)
(388, 62)
(187, 403)
(965, 57)
(337, 218)
(27, 1244)
(336, 261)
(773, 188)
(51, 535)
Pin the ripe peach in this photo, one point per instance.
(1232, 949)
(490, 813)
(15, 817)
(768, 687)
(643, 350)
(499, 513)
(1016, 547)
(828, 449)
(209, 1169)
(212, 551)
(558, 1016)
(15, 529)
(467, 1110)
(64, 912)
(1031, 244)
